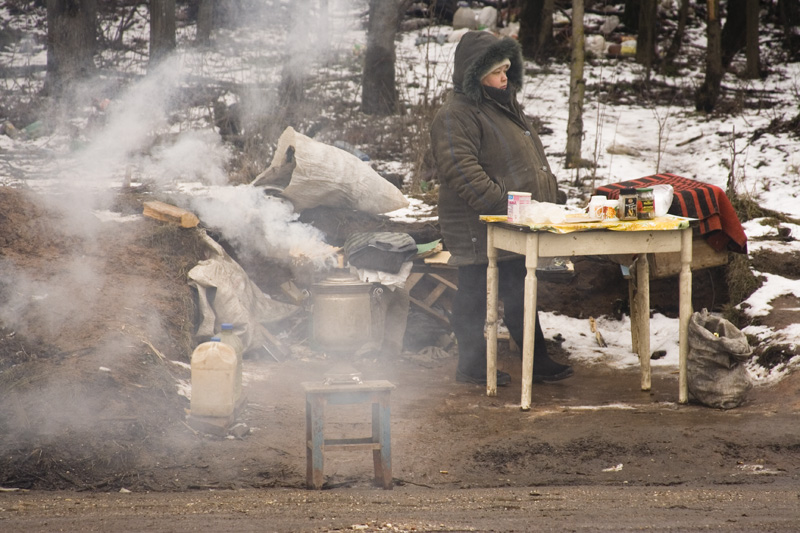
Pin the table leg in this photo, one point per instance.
(529, 330)
(315, 430)
(685, 282)
(643, 318)
(634, 312)
(381, 433)
(492, 284)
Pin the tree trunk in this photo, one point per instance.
(708, 93)
(379, 90)
(294, 72)
(71, 42)
(734, 32)
(646, 39)
(577, 86)
(753, 70)
(205, 21)
(630, 16)
(162, 29)
(789, 14)
(536, 28)
(677, 39)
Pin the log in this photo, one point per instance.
(170, 213)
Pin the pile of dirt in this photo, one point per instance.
(89, 328)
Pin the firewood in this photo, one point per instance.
(170, 213)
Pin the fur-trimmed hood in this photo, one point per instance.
(475, 53)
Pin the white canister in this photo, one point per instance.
(596, 205)
(515, 200)
(213, 379)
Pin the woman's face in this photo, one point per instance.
(496, 78)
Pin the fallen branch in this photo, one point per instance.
(600, 340)
(687, 141)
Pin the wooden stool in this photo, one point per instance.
(318, 395)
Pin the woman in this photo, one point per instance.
(484, 147)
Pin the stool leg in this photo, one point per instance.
(381, 433)
(315, 429)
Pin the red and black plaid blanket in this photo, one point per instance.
(709, 204)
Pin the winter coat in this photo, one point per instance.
(483, 149)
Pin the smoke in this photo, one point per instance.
(145, 133)
(63, 301)
(264, 225)
(138, 131)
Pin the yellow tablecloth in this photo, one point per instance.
(667, 222)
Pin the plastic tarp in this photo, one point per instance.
(226, 294)
(325, 175)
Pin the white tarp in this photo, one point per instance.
(227, 294)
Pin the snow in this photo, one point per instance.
(666, 138)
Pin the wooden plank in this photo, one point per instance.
(170, 213)
(435, 293)
(413, 279)
(425, 307)
(440, 279)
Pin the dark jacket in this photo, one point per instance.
(483, 149)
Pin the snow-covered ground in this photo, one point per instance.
(662, 138)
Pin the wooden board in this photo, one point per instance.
(170, 213)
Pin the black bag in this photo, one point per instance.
(718, 350)
(384, 251)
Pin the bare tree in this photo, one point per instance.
(753, 69)
(646, 39)
(734, 31)
(708, 93)
(379, 88)
(536, 27)
(630, 15)
(162, 29)
(577, 87)
(71, 41)
(677, 39)
(789, 14)
(741, 31)
(294, 71)
(205, 21)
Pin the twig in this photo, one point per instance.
(155, 350)
(406, 482)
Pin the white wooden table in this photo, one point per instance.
(535, 243)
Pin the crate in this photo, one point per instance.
(665, 265)
(668, 264)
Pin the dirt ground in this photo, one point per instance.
(89, 410)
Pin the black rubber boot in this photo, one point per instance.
(503, 378)
(545, 370)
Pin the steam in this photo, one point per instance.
(265, 225)
(137, 133)
(141, 134)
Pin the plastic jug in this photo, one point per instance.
(213, 379)
(229, 337)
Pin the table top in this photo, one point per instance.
(665, 223)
